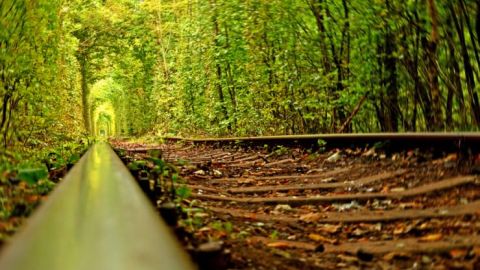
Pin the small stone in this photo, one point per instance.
(282, 208)
(200, 172)
(217, 173)
(210, 247)
(334, 158)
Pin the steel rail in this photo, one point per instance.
(395, 141)
(97, 218)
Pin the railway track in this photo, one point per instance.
(291, 208)
(264, 203)
(97, 218)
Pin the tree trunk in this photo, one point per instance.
(470, 31)
(317, 10)
(82, 59)
(231, 83)
(455, 83)
(478, 20)
(390, 64)
(430, 47)
(218, 67)
(474, 103)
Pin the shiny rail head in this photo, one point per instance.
(97, 218)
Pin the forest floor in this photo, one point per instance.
(289, 208)
(18, 199)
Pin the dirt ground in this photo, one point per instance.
(291, 208)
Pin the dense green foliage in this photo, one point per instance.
(235, 67)
(38, 78)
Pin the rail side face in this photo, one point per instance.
(97, 218)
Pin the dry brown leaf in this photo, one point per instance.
(385, 189)
(451, 157)
(397, 189)
(319, 238)
(398, 230)
(246, 181)
(408, 205)
(32, 198)
(311, 217)
(278, 244)
(458, 253)
(329, 228)
(431, 237)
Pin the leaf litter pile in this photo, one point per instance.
(291, 208)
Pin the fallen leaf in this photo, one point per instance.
(371, 152)
(32, 198)
(371, 227)
(408, 205)
(358, 232)
(431, 237)
(310, 217)
(279, 244)
(397, 189)
(282, 208)
(205, 229)
(319, 238)
(286, 244)
(282, 253)
(329, 228)
(451, 157)
(217, 173)
(200, 173)
(327, 180)
(334, 158)
(458, 253)
(346, 206)
(399, 230)
(246, 181)
(292, 237)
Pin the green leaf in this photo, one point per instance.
(73, 158)
(137, 165)
(175, 177)
(183, 192)
(32, 175)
